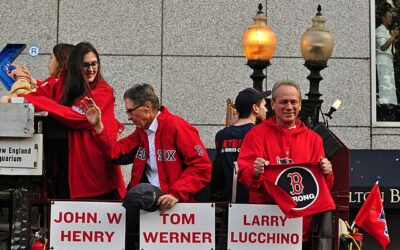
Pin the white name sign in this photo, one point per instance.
(185, 226)
(262, 227)
(21, 156)
(87, 225)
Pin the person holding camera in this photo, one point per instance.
(385, 40)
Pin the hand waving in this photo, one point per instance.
(93, 113)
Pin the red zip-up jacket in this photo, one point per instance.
(277, 144)
(182, 160)
(89, 171)
(51, 78)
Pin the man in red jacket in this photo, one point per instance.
(166, 151)
(282, 139)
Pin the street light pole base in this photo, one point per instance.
(314, 77)
(258, 75)
(312, 106)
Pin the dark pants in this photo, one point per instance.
(306, 245)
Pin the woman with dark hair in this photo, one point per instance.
(25, 83)
(60, 55)
(57, 62)
(83, 74)
(83, 172)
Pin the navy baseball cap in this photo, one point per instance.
(143, 196)
(247, 97)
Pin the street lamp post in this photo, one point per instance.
(259, 43)
(316, 48)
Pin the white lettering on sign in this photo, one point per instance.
(185, 226)
(358, 196)
(262, 227)
(87, 225)
(304, 197)
(354, 197)
(394, 195)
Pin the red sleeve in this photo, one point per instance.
(70, 116)
(115, 149)
(73, 116)
(47, 80)
(51, 88)
(318, 153)
(198, 165)
(251, 148)
(329, 180)
(104, 98)
(39, 83)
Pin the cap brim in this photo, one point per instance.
(265, 93)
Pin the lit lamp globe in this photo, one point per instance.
(259, 44)
(317, 42)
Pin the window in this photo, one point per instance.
(385, 63)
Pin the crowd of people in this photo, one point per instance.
(84, 155)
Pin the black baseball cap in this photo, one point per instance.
(247, 97)
(143, 196)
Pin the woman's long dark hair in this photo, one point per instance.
(62, 51)
(75, 86)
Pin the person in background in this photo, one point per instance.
(55, 133)
(251, 107)
(385, 40)
(81, 168)
(396, 46)
(25, 82)
(281, 139)
(57, 63)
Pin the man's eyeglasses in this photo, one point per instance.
(86, 66)
(130, 111)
